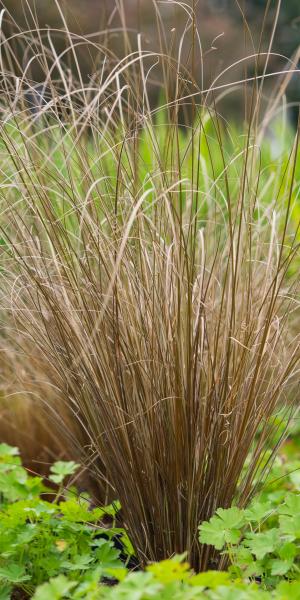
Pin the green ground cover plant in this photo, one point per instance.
(54, 544)
(46, 532)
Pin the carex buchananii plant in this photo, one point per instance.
(149, 253)
(35, 415)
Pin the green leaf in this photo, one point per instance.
(210, 579)
(257, 511)
(6, 450)
(295, 478)
(14, 479)
(40, 509)
(280, 567)
(78, 512)
(263, 543)
(256, 568)
(88, 588)
(291, 506)
(62, 469)
(79, 563)
(112, 509)
(170, 570)
(231, 518)
(243, 556)
(288, 551)
(107, 555)
(238, 592)
(288, 590)
(290, 526)
(118, 573)
(210, 533)
(5, 591)
(222, 529)
(124, 539)
(56, 589)
(13, 573)
(35, 486)
(26, 535)
(137, 586)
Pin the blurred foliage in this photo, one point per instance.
(219, 21)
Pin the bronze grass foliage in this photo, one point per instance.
(34, 414)
(24, 420)
(160, 294)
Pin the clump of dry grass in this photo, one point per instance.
(22, 419)
(143, 261)
(35, 417)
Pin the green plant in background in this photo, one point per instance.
(60, 550)
(40, 539)
(260, 541)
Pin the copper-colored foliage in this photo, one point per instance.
(158, 293)
(35, 415)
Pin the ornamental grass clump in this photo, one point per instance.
(149, 254)
(34, 414)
